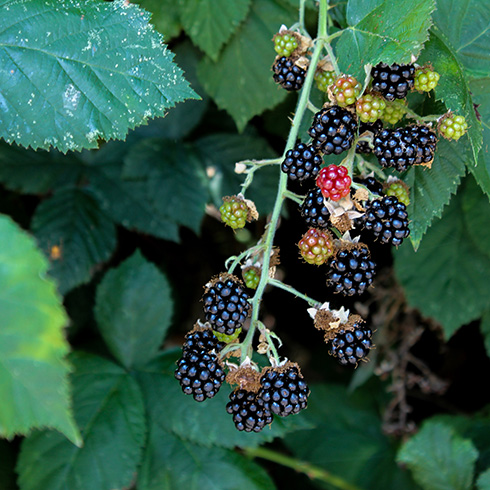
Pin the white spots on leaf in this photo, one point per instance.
(71, 97)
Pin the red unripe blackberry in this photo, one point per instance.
(249, 412)
(350, 346)
(346, 89)
(287, 74)
(302, 162)
(333, 130)
(374, 128)
(316, 246)
(393, 82)
(387, 220)
(334, 182)
(283, 392)
(314, 211)
(225, 305)
(351, 271)
(200, 374)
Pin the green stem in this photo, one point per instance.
(294, 197)
(302, 27)
(271, 228)
(295, 292)
(313, 472)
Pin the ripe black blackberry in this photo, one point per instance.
(225, 304)
(392, 82)
(284, 392)
(201, 340)
(200, 374)
(350, 346)
(287, 74)
(351, 271)
(397, 148)
(314, 211)
(249, 412)
(333, 130)
(371, 183)
(374, 128)
(387, 219)
(302, 162)
(426, 141)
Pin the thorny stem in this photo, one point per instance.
(313, 472)
(247, 349)
(278, 284)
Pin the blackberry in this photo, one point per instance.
(370, 108)
(374, 128)
(201, 340)
(334, 182)
(387, 219)
(452, 127)
(284, 392)
(350, 346)
(324, 79)
(316, 246)
(372, 184)
(302, 162)
(225, 305)
(426, 79)
(394, 111)
(426, 141)
(285, 44)
(314, 211)
(333, 130)
(400, 190)
(287, 74)
(396, 148)
(251, 276)
(234, 212)
(200, 374)
(346, 89)
(351, 271)
(393, 82)
(249, 412)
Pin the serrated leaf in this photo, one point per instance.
(133, 310)
(66, 82)
(483, 482)
(250, 90)
(211, 425)
(453, 88)
(109, 408)
(171, 463)
(447, 277)
(439, 459)
(33, 374)
(221, 151)
(165, 16)
(431, 189)
(75, 235)
(171, 178)
(210, 23)
(347, 439)
(383, 30)
(485, 330)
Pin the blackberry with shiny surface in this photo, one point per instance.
(387, 220)
(302, 162)
(199, 374)
(352, 271)
(333, 130)
(396, 148)
(249, 412)
(314, 211)
(371, 183)
(201, 340)
(284, 392)
(392, 82)
(288, 75)
(226, 306)
(374, 128)
(352, 346)
(426, 141)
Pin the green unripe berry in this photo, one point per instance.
(285, 44)
(394, 111)
(370, 108)
(346, 89)
(400, 190)
(324, 79)
(452, 127)
(425, 79)
(251, 276)
(228, 339)
(234, 212)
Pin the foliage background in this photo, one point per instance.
(126, 235)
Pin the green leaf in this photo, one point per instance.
(75, 234)
(347, 439)
(431, 189)
(483, 482)
(33, 374)
(211, 425)
(439, 459)
(485, 330)
(109, 408)
(447, 278)
(453, 88)
(250, 90)
(133, 310)
(171, 463)
(383, 30)
(7, 465)
(210, 23)
(70, 86)
(165, 16)
(220, 152)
